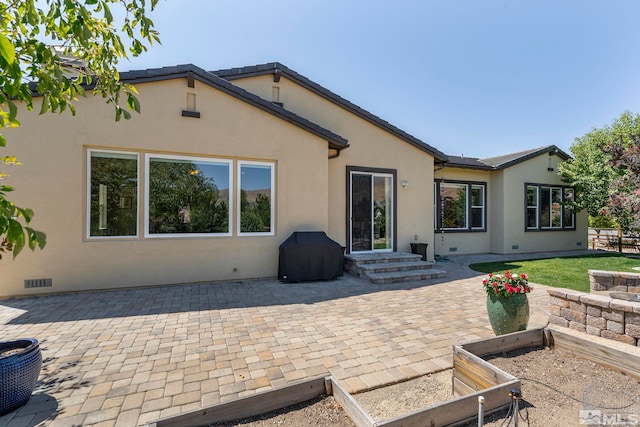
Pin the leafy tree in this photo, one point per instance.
(602, 221)
(182, 200)
(590, 171)
(263, 209)
(255, 217)
(90, 43)
(625, 189)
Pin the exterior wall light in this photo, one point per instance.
(404, 183)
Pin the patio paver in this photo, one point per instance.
(128, 357)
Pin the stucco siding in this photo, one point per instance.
(452, 243)
(516, 239)
(496, 201)
(52, 182)
(369, 147)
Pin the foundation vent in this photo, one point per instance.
(38, 283)
(579, 244)
(453, 249)
(515, 247)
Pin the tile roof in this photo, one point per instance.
(278, 69)
(467, 163)
(181, 71)
(504, 161)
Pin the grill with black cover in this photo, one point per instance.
(310, 255)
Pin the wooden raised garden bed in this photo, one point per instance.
(472, 377)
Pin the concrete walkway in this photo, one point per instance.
(132, 356)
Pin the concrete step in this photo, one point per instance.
(385, 257)
(385, 267)
(405, 276)
(390, 267)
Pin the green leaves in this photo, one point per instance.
(90, 42)
(15, 235)
(7, 50)
(596, 177)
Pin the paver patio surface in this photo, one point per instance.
(128, 357)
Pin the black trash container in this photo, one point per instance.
(419, 249)
(310, 255)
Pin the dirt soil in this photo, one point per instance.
(554, 385)
(323, 411)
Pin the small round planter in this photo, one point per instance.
(508, 314)
(20, 364)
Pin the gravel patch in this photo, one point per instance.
(408, 396)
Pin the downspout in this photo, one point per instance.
(337, 152)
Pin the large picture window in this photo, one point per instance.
(187, 195)
(460, 206)
(256, 183)
(112, 194)
(547, 208)
(182, 196)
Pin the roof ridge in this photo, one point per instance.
(267, 68)
(177, 71)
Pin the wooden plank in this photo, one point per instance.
(475, 372)
(611, 358)
(528, 338)
(358, 415)
(249, 406)
(456, 410)
(460, 388)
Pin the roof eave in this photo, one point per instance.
(551, 150)
(278, 69)
(334, 140)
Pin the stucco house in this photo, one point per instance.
(221, 167)
(512, 204)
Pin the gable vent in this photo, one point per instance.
(38, 283)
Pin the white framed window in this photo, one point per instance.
(460, 206)
(187, 196)
(568, 217)
(548, 209)
(256, 190)
(532, 207)
(477, 206)
(112, 194)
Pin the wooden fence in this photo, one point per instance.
(612, 239)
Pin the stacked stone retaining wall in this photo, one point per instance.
(614, 281)
(598, 315)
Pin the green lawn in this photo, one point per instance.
(562, 272)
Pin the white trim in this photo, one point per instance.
(272, 167)
(536, 207)
(88, 194)
(203, 159)
(483, 190)
(467, 202)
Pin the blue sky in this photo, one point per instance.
(476, 78)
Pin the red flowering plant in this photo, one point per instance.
(507, 284)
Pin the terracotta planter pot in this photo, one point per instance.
(508, 314)
(20, 364)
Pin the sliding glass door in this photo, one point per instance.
(371, 212)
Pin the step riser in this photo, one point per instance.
(411, 278)
(381, 260)
(398, 267)
(382, 268)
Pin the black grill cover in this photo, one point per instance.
(310, 255)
